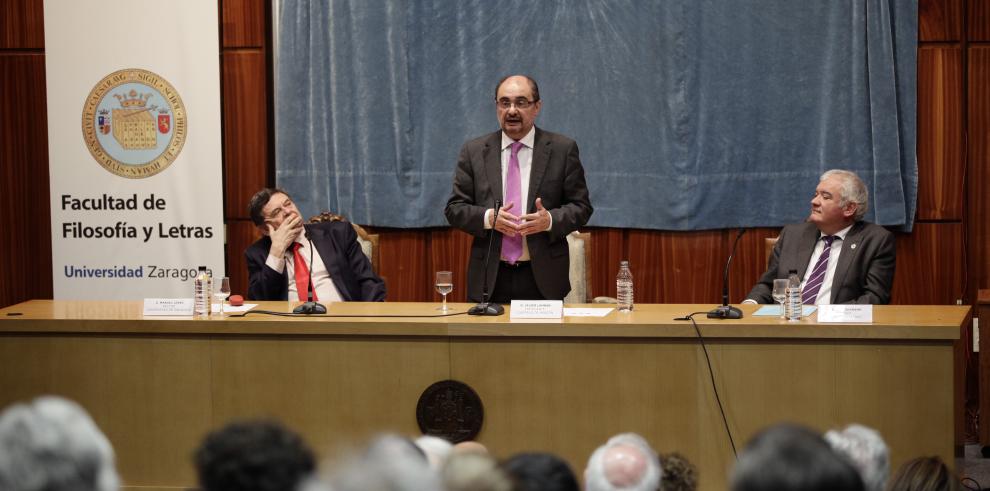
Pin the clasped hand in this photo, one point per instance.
(509, 224)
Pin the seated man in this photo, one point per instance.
(839, 257)
(279, 262)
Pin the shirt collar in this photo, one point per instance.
(841, 234)
(527, 140)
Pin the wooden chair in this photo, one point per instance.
(768, 244)
(368, 242)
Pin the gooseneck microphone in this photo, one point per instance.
(726, 311)
(486, 307)
(310, 307)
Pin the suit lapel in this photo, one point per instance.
(492, 155)
(850, 248)
(809, 238)
(329, 253)
(541, 157)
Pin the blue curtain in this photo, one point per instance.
(689, 114)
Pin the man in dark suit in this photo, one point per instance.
(840, 258)
(279, 262)
(539, 178)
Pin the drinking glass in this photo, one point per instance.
(444, 285)
(780, 294)
(222, 293)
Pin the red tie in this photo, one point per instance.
(302, 274)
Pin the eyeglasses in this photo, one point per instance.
(520, 103)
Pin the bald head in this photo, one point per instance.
(626, 463)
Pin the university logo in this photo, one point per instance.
(134, 123)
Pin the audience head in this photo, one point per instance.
(625, 462)
(540, 472)
(51, 444)
(391, 463)
(470, 446)
(788, 457)
(473, 471)
(253, 456)
(924, 474)
(867, 451)
(679, 474)
(436, 450)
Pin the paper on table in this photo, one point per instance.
(769, 310)
(230, 309)
(586, 312)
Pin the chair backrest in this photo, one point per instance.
(579, 246)
(368, 242)
(768, 244)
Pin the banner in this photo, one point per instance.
(134, 146)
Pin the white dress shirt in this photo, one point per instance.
(325, 290)
(825, 292)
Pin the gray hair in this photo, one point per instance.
(868, 452)
(851, 190)
(52, 444)
(391, 463)
(594, 474)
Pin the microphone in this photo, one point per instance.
(310, 307)
(486, 307)
(725, 311)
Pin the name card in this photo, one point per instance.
(862, 314)
(536, 309)
(168, 306)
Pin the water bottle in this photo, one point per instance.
(203, 292)
(793, 304)
(624, 287)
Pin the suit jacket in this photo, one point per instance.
(864, 273)
(337, 244)
(556, 176)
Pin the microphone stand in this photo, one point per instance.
(726, 311)
(486, 307)
(310, 307)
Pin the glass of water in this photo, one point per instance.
(444, 285)
(222, 293)
(780, 294)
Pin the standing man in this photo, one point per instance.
(279, 262)
(840, 258)
(539, 178)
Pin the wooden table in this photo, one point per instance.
(157, 385)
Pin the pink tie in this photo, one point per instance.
(512, 246)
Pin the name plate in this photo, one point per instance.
(536, 309)
(168, 306)
(862, 314)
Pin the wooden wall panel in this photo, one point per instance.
(243, 23)
(25, 211)
(930, 267)
(940, 133)
(245, 129)
(677, 267)
(449, 250)
(240, 234)
(939, 20)
(608, 247)
(405, 265)
(22, 24)
(978, 151)
(978, 20)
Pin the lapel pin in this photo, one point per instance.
(853, 246)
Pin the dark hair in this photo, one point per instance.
(790, 457)
(924, 474)
(258, 202)
(540, 471)
(253, 456)
(535, 89)
(679, 474)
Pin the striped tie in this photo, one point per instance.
(814, 283)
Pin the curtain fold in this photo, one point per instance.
(689, 114)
